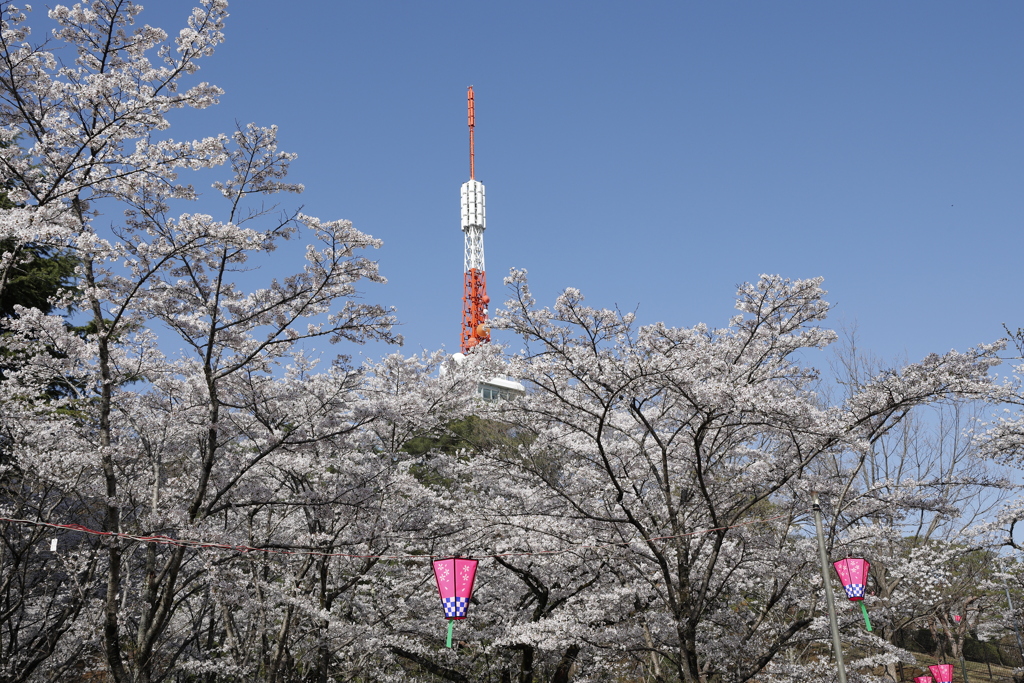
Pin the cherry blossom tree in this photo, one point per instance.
(165, 444)
(1002, 440)
(671, 439)
(910, 504)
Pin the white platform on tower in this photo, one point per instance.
(493, 388)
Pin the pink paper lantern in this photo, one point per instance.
(853, 572)
(455, 577)
(956, 618)
(924, 679)
(943, 673)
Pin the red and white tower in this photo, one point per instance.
(474, 222)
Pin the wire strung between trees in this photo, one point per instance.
(292, 550)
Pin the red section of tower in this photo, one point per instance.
(474, 310)
(474, 298)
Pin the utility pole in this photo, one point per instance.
(837, 645)
(1013, 612)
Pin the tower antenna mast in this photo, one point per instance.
(471, 106)
(474, 298)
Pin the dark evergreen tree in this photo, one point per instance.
(39, 274)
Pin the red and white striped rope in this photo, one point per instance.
(240, 548)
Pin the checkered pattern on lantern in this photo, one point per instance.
(854, 590)
(455, 607)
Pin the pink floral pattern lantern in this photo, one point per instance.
(455, 577)
(853, 573)
(924, 679)
(943, 673)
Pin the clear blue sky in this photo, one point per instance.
(655, 154)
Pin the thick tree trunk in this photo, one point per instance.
(282, 639)
(111, 522)
(567, 666)
(689, 665)
(526, 670)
